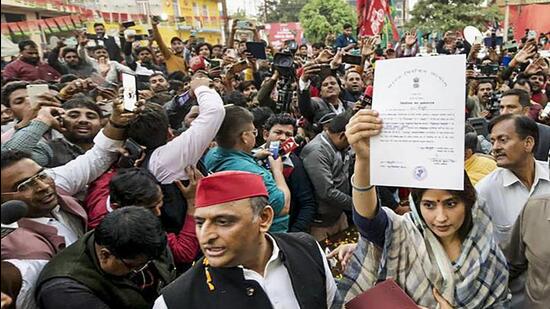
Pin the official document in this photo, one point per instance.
(421, 103)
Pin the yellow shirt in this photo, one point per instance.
(478, 167)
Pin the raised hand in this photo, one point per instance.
(362, 126)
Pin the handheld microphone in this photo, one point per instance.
(366, 98)
(12, 211)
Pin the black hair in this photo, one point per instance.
(176, 85)
(523, 96)
(142, 48)
(470, 141)
(157, 74)
(67, 50)
(67, 78)
(177, 75)
(236, 118)
(524, 127)
(280, 119)
(540, 73)
(347, 25)
(217, 45)
(302, 45)
(318, 45)
(98, 47)
(99, 24)
(484, 81)
(82, 101)
(467, 196)
(235, 97)
(133, 187)
(131, 232)
(198, 47)
(245, 84)
(150, 128)
(11, 156)
(9, 88)
(23, 44)
(338, 123)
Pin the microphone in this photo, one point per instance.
(366, 98)
(12, 211)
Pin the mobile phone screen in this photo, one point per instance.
(130, 95)
(33, 91)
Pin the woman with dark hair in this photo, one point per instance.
(442, 253)
(204, 50)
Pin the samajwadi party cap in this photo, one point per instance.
(228, 186)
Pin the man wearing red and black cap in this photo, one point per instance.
(244, 266)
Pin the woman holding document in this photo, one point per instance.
(441, 254)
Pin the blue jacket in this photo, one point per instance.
(220, 159)
(343, 41)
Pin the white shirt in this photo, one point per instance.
(505, 195)
(168, 162)
(72, 178)
(276, 282)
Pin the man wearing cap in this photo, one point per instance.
(173, 58)
(244, 266)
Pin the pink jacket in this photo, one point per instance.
(37, 241)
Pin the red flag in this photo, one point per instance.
(5, 29)
(14, 28)
(44, 26)
(62, 24)
(51, 23)
(68, 22)
(106, 16)
(33, 25)
(24, 26)
(374, 18)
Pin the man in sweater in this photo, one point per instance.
(244, 266)
(123, 263)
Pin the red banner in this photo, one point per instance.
(5, 29)
(51, 23)
(14, 28)
(106, 16)
(533, 17)
(373, 20)
(123, 17)
(44, 26)
(278, 33)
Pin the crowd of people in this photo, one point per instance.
(221, 186)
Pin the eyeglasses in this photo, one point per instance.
(31, 183)
(136, 271)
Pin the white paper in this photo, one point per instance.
(421, 104)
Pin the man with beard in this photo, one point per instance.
(537, 82)
(102, 39)
(54, 219)
(482, 98)
(329, 97)
(249, 91)
(353, 87)
(81, 123)
(173, 58)
(160, 87)
(72, 63)
(29, 67)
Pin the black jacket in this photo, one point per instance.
(302, 204)
(207, 287)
